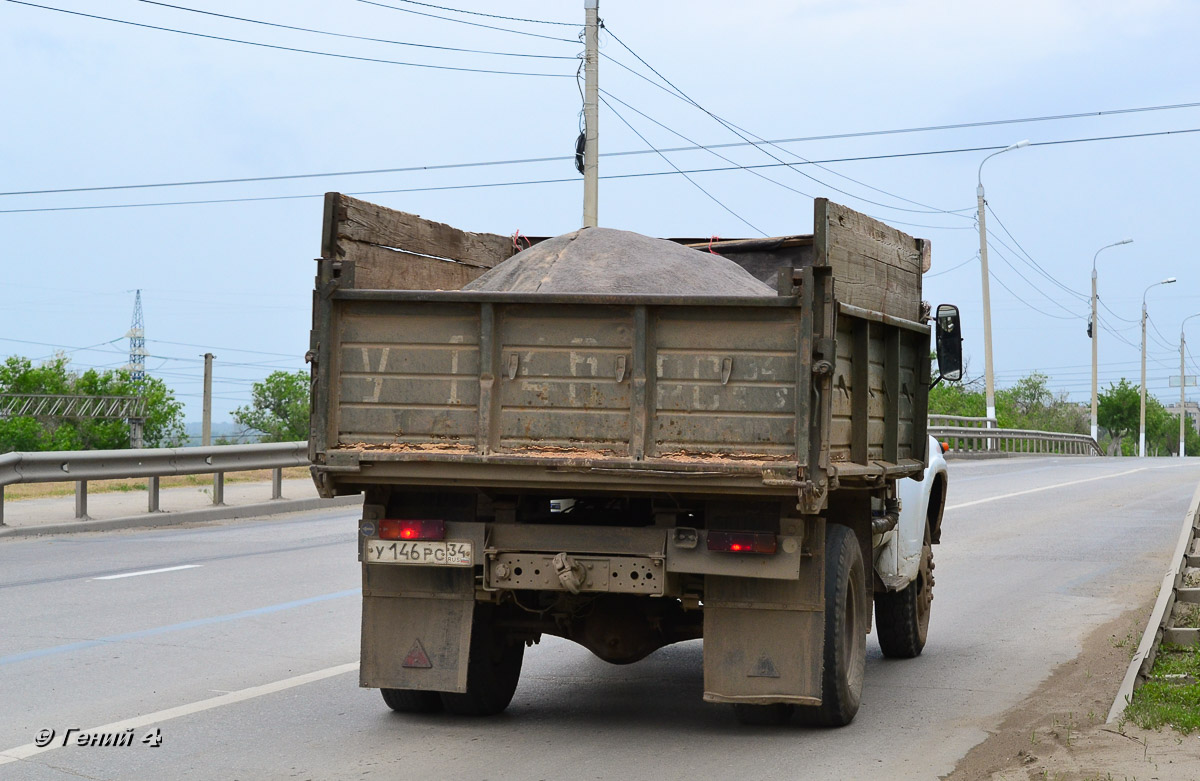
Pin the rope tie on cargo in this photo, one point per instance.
(517, 238)
(711, 239)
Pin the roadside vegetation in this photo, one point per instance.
(1171, 695)
(1030, 404)
(54, 376)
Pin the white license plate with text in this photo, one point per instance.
(450, 554)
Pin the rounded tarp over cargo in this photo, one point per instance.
(604, 260)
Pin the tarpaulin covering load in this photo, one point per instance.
(605, 260)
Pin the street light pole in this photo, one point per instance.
(1142, 414)
(1095, 333)
(591, 113)
(1182, 388)
(989, 376)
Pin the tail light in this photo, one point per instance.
(945, 447)
(742, 542)
(392, 529)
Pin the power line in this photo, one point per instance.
(678, 170)
(634, 152)
(992, 274)
(742, 135)
(954, 268)
(609, 176)
(292, 48)
(1033, 263)
(358, 37)
(464, 21)
(489, 16)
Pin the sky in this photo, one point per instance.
(92, 103)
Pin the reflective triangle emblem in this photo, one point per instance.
(417, 657)
(764, 669)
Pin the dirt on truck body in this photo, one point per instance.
(627, 442)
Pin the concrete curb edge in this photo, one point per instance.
(1155, 627)
(152, 520)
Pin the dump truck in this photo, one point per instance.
(630, 442)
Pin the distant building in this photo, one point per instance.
(1192, 408)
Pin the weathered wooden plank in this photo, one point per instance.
(876, 266)
(380, 268)
(354, 220)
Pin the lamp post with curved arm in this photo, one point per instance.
(1183, 388)
(989, 377)
(1142, 416)
(1094, 328)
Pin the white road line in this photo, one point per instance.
(1045, 488)
(147, 572)
(31, 749)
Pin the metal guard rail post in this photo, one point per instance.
(81, 466)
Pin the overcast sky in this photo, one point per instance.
(94, 103)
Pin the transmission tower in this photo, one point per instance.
(137, 366)
(137, 342)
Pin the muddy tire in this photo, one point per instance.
(493, 670)
(846, 618)
(409, 701)
(902, 617)
(764, 715)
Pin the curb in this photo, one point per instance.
(151, 520)
(1143, 658)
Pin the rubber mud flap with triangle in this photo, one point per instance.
(765, 668)
(417, 657)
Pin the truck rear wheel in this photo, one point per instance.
(846, 619)
(902, 617)
(493, 670)
(409, 701)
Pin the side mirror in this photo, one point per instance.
(948, 335)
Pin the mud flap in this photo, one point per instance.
(763, 639)
(416, 627)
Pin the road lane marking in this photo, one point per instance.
(1045, 488)
(31, 749)
(147, 572)
(158, 630)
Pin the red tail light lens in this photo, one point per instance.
(743, 542)
(391, 529)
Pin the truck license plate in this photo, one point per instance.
(450, 554)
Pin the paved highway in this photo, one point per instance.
(232, 647)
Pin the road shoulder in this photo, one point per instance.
(1059, 732)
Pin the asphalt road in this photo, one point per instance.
(237, 657)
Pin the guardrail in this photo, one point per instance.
(981, 435)
(1175, 590)
(81, 466)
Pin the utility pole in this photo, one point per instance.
(206, 425)
(1182, 387)
(1142, 411)
(591, 113)
(988, 376)
(1095, 334)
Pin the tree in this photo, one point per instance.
(164, 415)
(1118, 410)
(279, 407)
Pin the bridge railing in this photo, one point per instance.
(982, 435)
(81, 466)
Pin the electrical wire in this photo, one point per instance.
(292, 48)
(472, 24)
(953, 268)
(668, 161)
(357, 37)
(489, 16)
(573, 179)
(1031, 262)
(760, 147)
(999, 282)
